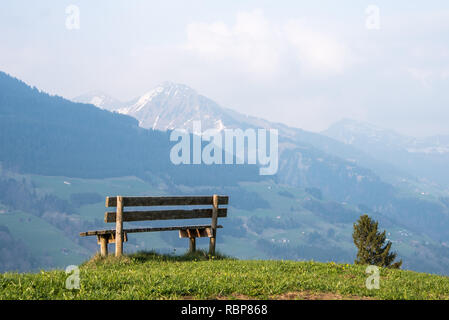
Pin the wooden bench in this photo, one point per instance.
(120, 235)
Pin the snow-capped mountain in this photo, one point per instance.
(175, 106)
(100, 100)
(171, 105)
(394, 157)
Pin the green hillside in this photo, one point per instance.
(45, 241)
(151, 276)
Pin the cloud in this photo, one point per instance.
(316, 51)
(259, 45)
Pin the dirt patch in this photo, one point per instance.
(236, 296)
(307, 295)
(302, 295)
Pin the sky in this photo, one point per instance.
(307, 64)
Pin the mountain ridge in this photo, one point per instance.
(426, 157)
(171, 105)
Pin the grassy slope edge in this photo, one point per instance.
(154, 276)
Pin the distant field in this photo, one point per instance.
(43, 239)
(151, 276)
(63, 187)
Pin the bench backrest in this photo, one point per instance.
(171, 214)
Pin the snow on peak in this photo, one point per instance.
(99, 101)
(166, 90)
(147, 97)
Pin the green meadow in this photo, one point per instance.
(198, 276)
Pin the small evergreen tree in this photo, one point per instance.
(371, 245)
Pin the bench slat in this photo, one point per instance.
(165, 214)
(155, 229)
(166, 201)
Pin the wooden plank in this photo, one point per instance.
(166, 215)
(154, 229)
(166, 201)
(96, 233)
(119, 228)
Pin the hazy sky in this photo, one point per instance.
(302, 63)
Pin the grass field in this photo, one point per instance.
(153, 276)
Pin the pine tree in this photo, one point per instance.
(371, 245)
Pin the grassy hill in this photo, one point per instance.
(153, 276)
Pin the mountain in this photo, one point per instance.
(361, 133)
(171, 105)
(100, 99)
(49, 135)
(305, 156)
(426, 158)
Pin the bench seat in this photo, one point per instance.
(154, 229)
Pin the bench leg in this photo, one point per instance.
(213, 224)
(192, 245)
(104, 246)
(212, 246)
